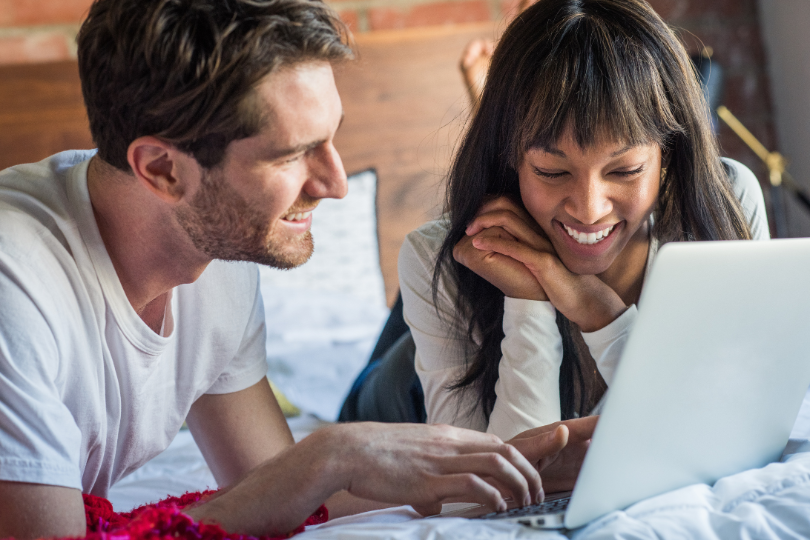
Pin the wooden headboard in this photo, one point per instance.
(404, 101)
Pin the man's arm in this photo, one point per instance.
(236, 432)
(40, 511)
(415, 464)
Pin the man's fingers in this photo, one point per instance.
(466, 487)
(512, 473)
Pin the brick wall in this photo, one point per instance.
(44, 30)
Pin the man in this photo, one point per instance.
(214, 122)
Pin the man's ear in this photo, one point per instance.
(162, 168)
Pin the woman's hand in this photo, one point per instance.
(557, 450)
(584, 299)
(511, 276)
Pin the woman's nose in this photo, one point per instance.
(589, 201)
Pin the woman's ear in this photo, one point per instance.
(161, 168)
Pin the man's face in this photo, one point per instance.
(257, 205)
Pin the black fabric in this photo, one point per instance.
(388, 389)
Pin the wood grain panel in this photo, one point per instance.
(405, 106)
(41, 112)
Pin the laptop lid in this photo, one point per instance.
(712, 376)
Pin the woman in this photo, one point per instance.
(592, 146)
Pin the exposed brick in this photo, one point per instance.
(41, 47)
(674, 11)
(735, 46)
(440, 13)
(670, 9)
(747, 93)
(509, 9)
(351, 19)
(36, 12)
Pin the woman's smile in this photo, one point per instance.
(593, 201)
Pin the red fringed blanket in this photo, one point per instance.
(163, 521)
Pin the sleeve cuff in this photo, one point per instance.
(530, 308)
(607, 335)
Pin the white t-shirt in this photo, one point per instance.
(527, 389)
(88, 392)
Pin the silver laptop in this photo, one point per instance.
(710, 382)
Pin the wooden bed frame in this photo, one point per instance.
(405, 107)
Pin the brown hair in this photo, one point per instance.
(602, 68)
(184, 70)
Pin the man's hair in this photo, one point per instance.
(185, 70)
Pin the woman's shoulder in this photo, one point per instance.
(749, 192)
(424, 242)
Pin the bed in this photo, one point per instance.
(405, 105)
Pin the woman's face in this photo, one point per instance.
(591, 202)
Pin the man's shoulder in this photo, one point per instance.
(34, 198)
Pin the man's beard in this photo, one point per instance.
(223, 225)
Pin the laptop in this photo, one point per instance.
(710, 382)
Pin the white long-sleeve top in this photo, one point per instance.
(527, 389)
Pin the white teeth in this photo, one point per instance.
(588, 238)
(298, 216)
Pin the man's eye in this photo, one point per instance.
(293, 159)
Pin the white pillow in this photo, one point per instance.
(324, 317)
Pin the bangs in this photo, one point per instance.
(595, 84)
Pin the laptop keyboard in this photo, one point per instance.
(547, 507)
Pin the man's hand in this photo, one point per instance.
(425, 466)
(557, 450)
(415, 464)
(512, 249)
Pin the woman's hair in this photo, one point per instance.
(185, 70)
(603, 69)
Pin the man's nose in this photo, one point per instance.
(327, 176)
(589, 201)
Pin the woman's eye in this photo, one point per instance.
(547, 174)
(626, 174)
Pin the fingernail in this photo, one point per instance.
(501, 506)
(541, 496)
(527, 500)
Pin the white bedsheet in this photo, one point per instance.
(771, 502)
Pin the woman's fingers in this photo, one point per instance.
(507, 274)
(539, 263)
(542, 445)
(522, 230)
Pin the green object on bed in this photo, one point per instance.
(286, 405)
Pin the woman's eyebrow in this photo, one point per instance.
(621, 151)
(557, 152)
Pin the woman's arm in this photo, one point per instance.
(528, 387)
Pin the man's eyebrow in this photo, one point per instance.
(283, 152)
